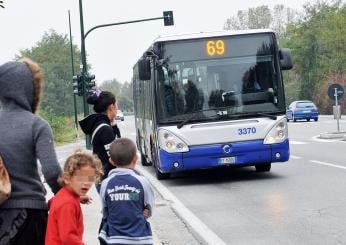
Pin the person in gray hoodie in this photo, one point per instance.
(25, 138)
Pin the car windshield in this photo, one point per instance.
(305, 105)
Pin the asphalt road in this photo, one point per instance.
(301, 201)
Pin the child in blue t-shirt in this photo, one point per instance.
(127, 198)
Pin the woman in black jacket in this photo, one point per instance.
(101, 126)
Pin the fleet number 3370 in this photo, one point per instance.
(242, 131)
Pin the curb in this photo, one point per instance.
(202, 233)
(333, 135)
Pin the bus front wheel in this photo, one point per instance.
(263, 167)
(144, 160)
(161, 176)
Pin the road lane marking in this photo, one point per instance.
(295, 157)
(293, 142)
(197, 226)
(328, 164)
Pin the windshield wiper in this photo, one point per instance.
(182, 123)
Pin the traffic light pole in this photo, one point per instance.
(168, 20)
(84, 70)
(121, 23)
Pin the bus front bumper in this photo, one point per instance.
(232, 154)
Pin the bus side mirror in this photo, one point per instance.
(144, 71)
(285, 59)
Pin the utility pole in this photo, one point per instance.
(84, 70)
(72, 65)
(168, 20)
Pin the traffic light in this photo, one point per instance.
(90, 83)
(77, 85)
(168, 18)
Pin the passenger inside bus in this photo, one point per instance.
(228, 92)
(178, 97)
(215, 99)
(250, 83)
(192, 97)
(171, 92)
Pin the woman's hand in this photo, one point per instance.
(113, 122)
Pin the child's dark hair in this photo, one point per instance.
(122, 151)
(101, 100)
(81, 159)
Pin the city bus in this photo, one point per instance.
(206, 100)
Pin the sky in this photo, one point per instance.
(112, 51)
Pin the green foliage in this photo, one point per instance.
(53, 53)
(318, 44)
(122, 92)
(291, 84)
(63, 127)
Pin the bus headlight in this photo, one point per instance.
(171, 143)
(278, 133)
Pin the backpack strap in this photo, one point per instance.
(97, 129)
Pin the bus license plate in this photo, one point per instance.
(227, 160)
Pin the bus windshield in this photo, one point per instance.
(243, 79)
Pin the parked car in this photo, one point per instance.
(119, 116)
(302, 110)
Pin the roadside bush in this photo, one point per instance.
(62, 126)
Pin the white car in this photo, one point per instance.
(119, 116)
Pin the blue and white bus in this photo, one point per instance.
(206, 100)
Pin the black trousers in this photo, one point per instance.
(33, 230)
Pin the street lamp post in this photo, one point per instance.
(168, 20)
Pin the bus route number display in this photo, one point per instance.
(215, 47)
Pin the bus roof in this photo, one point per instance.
(210, 34)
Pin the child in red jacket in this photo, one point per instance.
(65, 219)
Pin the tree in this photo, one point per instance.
(52, 52)
(240, 22)
(259, 17)
(282, 17)
(253, 18)
(262, 17)
(123, 93)
(318, 44)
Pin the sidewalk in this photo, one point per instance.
(167, 227)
